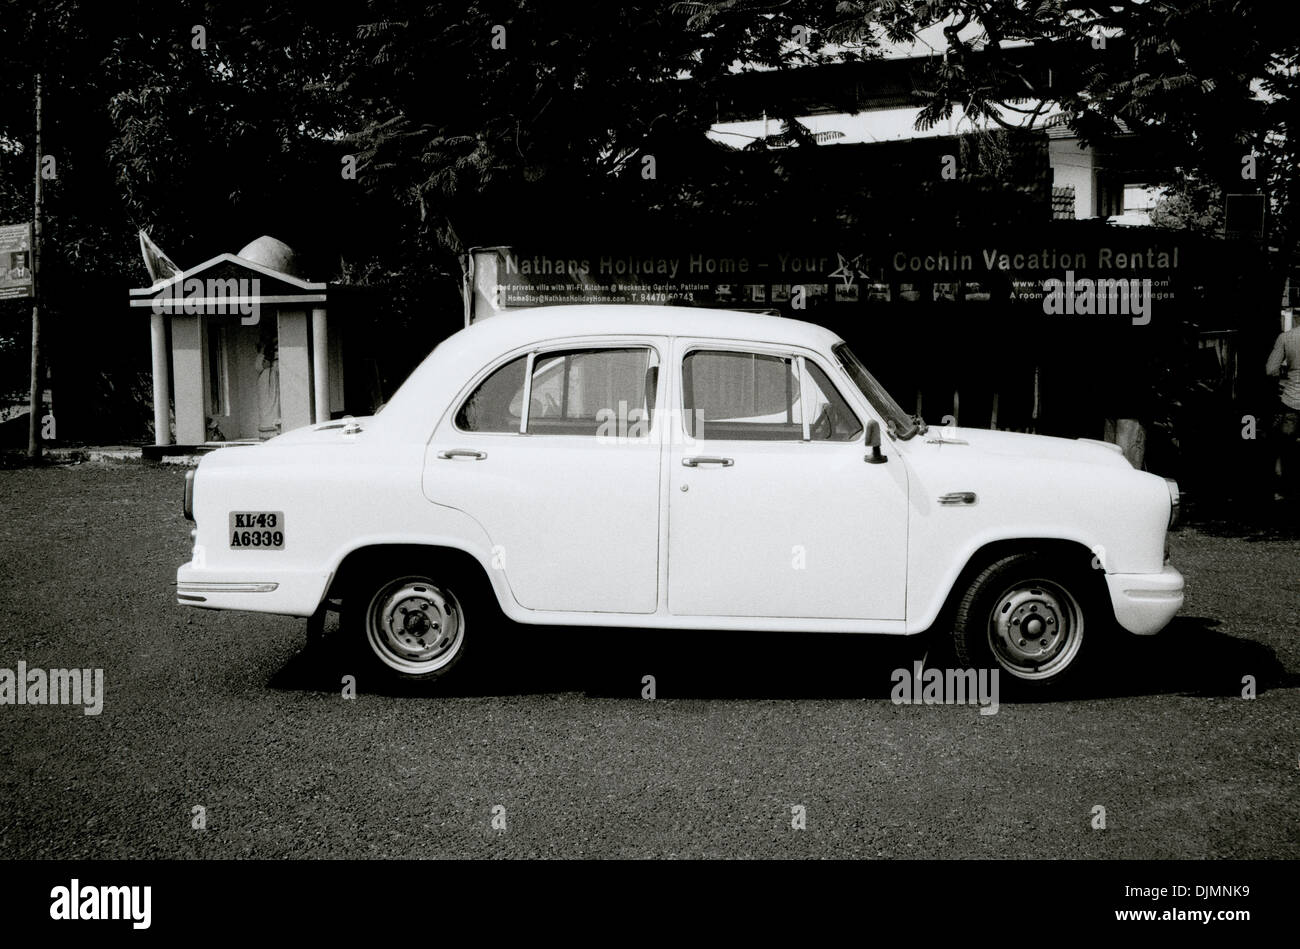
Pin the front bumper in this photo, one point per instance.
(1144, 603)
(288, 592)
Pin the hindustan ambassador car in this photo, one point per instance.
(673, 468)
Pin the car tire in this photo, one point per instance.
(408, 623)
(1030, 615)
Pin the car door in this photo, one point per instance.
(555, 454)
(773, 508)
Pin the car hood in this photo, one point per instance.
(1018, 444)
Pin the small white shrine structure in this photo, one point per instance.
(242, 349)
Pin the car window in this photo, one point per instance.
(829, 416)
(746, 396)
(591, 392)
(494, 405)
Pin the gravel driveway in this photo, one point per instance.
(237, 715)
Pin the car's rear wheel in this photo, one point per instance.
(1027, 614)
(412, 624)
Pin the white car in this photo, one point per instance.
(665, 474)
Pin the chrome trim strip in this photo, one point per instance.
(200, 586)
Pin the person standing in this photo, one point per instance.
(1286, 422)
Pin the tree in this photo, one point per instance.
(204, 126)
(208, 124)
(476, 112)
(1190, 204)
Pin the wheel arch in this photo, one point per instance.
(1070, 552)
(357, 562)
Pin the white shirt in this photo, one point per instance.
(1287, 349)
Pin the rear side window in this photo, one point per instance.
(494, 405)
(741, 396)
(573, 392)
(590, 391)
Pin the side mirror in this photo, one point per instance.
(873, 442)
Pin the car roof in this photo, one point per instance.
(537, 324)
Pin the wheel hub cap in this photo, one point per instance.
(415, 622)
(1035, 629)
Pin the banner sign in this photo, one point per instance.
(840, 278)
(15, 260)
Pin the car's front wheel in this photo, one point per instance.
(411, 623)
(1030, 616)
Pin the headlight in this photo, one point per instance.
(188, 507)
(1172, 485)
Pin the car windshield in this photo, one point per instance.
(897, 421)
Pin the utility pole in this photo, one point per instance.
(34, 404)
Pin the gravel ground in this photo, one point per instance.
(235, 713)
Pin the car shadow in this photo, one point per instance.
(1190, 657)
(612, 663)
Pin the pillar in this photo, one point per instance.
(320, 364)
(158, 342)
(295, 370)
(187, 373)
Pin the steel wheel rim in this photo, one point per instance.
(413, 625)
(1035, 629)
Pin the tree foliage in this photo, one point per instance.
(466, 120)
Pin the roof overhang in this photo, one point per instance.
(254, 285)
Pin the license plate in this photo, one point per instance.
(257, 530)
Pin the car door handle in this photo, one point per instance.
(463, 453)
(695, 461)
